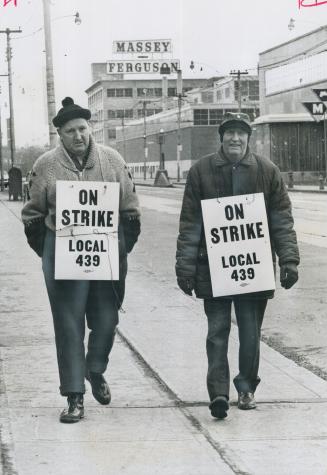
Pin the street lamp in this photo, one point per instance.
(161, 139)
(161, 178)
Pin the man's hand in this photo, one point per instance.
(288, 275)
(186, 285)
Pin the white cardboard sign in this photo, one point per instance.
(238, 244)
(87, 230)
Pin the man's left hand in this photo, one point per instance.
(288, 275)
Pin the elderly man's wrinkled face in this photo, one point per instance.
(75, 135)
(235, 142)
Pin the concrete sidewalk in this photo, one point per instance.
(158, 421)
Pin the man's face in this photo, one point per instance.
(75, 135)
(235, 142)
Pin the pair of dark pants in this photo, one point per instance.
(71, 301)
(249, 316)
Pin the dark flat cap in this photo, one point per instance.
(235, 119)
(70, 111)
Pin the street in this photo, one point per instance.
(158, 421)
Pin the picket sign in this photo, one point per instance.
(87, 230)
(238, 244)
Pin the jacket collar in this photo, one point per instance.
(66, 161)
(221, 160)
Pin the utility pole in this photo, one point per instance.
(179, 144)
(7, 31)
(49, 73)
(325, 146)
(144, 138)
(124, 138)
(1, 164)
(239, 73)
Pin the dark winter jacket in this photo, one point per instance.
(215, 176)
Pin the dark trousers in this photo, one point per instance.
(71, 301)
(249, 316)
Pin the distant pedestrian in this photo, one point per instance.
(78, 157)
(233, 170)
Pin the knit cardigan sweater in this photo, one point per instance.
(103, 164)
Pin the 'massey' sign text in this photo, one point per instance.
(142, 46)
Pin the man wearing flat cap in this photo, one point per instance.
(78, 157)
(233, 170)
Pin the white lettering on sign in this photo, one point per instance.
(142, 46)
(142, 67)
(87, 230)
(238, 244)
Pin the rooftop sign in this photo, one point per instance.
(142, 66)
(142, 46)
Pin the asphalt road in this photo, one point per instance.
(295, 322)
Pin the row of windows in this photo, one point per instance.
(249, 89)
(120, 114)
(215, 116)
(95, 98)
(128, 113)
(143, 92)
(120, 92)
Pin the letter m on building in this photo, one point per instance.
(316, 109)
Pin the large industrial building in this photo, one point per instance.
(116, 100)
(194, 126)
(143, 120)
(285, 131)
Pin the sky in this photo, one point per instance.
(217, 35)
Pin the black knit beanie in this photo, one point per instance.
(70, 111)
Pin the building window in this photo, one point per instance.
(254, 90)
(200, 116)
(149, 92)
(215, 116)
(120, 92)
(128, 113)
(249, 90)
(227, 92)
(120, 114)
(207, 97)
(111, 133)
(172, 92)
(219, 95)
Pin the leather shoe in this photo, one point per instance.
(246, 401)
(100, 388)
(75, 410)
(219, 407)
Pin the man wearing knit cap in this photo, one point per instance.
(233, 170)
(78, 157)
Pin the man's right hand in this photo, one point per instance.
(186, 285)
